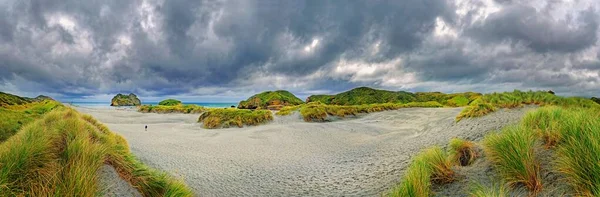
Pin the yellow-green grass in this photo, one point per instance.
(287, 110)
(512, 153)
(476, 109)
(186, 109)
(317, 112)
(518, 99)
(13, 117)
(60, 154)
(224, 118)
(496, 190)
(430, 166)
(462, 152)
(170, 102)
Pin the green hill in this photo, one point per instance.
(270, 100)
(170, 102)
(364, 95)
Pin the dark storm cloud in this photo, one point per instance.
(159, 48)
(537, 30)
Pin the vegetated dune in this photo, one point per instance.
(60, 153)
(363, 156)
(270, 100)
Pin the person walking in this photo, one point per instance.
(146, 128)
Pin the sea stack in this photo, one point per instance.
(125, 100)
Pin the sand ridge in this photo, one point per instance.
(363, 156)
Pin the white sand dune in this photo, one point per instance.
(362, 156)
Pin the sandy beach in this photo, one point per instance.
(362, 156)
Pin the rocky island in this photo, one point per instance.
(125, 100)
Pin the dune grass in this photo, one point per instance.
(430, 166)
(519, 98)
(496, 190)
(287, 110)
(575, 135)
(512, 153)
(476, 109)
(163, 109)
(60, 154)
(224, 118)
(318, 112)
(462, 152)
(13, 117)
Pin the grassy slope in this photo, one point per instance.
(60, 153)
(262, 100)
(218, 118)
(318, 112)
(571, 133)
(17, 111)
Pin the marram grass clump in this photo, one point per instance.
(430, 166)
(476, 110)
(462, 152)
(163, 109)
(318, 112)
(495, 190)
(287, 110)
(512, 153)
(224, 118)
(60, 154)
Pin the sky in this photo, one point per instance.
(225, 51)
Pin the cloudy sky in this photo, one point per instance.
(227, 50)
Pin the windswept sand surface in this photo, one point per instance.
(362, 156)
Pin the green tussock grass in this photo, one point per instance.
(13, 117)
(496, 190)
(519, 98)
(164, 109)
(512, 153)
(318, 112)
(287, 110)
(430, 166)
(462, 152)
(218, 118)
(574, 133)
(476, 110)
(170, 102)
(60, 153)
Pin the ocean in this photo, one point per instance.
(107, 104)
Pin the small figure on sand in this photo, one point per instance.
(146, 128)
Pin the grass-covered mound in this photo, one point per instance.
(549, 142)
(60, 154)
(170, 102)
(597, 100)
(364, 95)
(318, 112)
(224, 118)
(125, 100)
(164, 109)
(270, 100)
(490, 102)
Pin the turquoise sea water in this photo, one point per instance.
(107, 104)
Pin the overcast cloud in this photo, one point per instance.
(228, 50)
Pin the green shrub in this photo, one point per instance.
(512, 153)
(217, 118)
(170, 102)
(458, 101)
